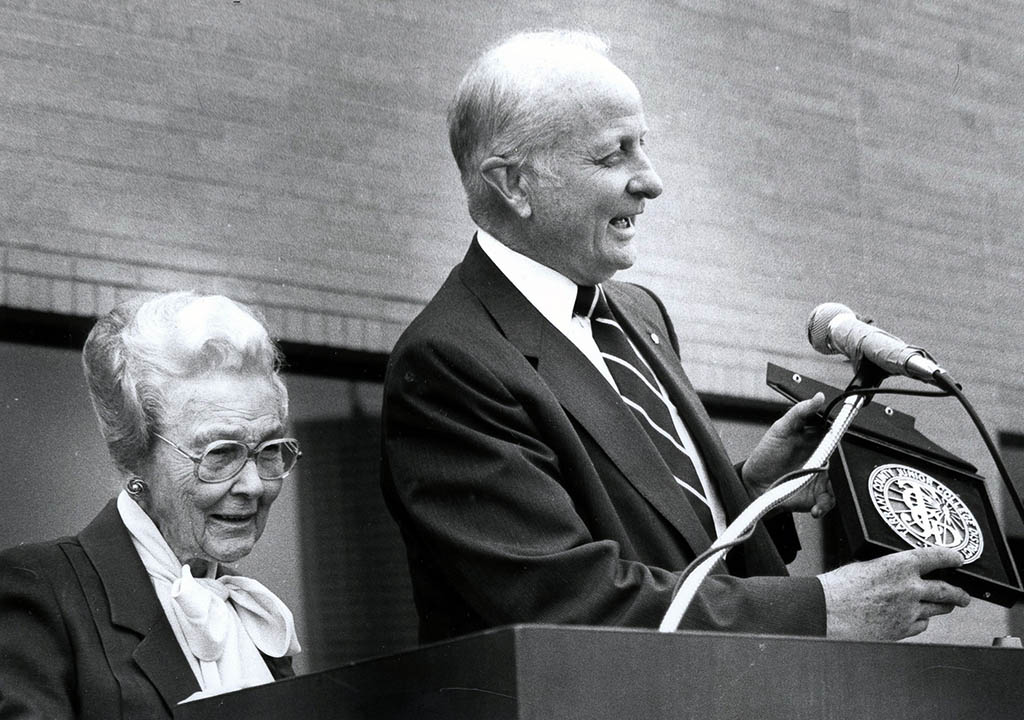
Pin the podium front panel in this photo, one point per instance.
(535, 672)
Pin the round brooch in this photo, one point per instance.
(923, 511)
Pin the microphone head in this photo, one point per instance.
(817, 326)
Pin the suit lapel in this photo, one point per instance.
(583, 392)
(642, 329)
(134, 606)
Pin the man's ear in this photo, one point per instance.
(506, 179)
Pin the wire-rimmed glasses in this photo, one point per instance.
(222, 460)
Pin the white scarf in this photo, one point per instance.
(222, 623)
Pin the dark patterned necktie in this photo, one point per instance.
(643, 394)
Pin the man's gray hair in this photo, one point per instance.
(502, 106)
(139, 345)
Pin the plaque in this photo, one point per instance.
(896, 489)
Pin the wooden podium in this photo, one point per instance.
(540, 672)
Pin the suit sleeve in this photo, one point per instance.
(476, 470)
(36, 676)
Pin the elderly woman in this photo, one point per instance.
(138, 611)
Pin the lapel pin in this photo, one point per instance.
(654, 337)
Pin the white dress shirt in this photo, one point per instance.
(553, 295)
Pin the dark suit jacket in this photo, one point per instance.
(83, 635)
(526, 491)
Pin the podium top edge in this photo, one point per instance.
(524, 630)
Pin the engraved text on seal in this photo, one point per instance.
(923, 511)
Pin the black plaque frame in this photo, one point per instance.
(881, 435)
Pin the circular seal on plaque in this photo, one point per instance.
(923, 511)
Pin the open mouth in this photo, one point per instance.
(235, 519)
(623, 222)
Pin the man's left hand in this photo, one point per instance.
(786, 446)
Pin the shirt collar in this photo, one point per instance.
(551, 292)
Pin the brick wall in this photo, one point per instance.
(294, 155)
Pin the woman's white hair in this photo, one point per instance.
(502, 106)
(139, 345)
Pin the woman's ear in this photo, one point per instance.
(506, 179)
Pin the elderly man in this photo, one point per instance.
(546, 458)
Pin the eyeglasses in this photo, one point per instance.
(221, 460)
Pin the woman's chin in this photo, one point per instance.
(233, 554)
(228, 550)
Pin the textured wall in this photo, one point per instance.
(293, 154)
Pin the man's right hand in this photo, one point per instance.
(888, 598)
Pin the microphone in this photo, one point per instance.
(834, 329)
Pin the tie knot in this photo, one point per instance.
(588, 297)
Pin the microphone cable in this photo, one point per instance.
(944, 381)
(878, 391)
(948, 388)
(726, 547)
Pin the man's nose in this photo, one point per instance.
(645, 181)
